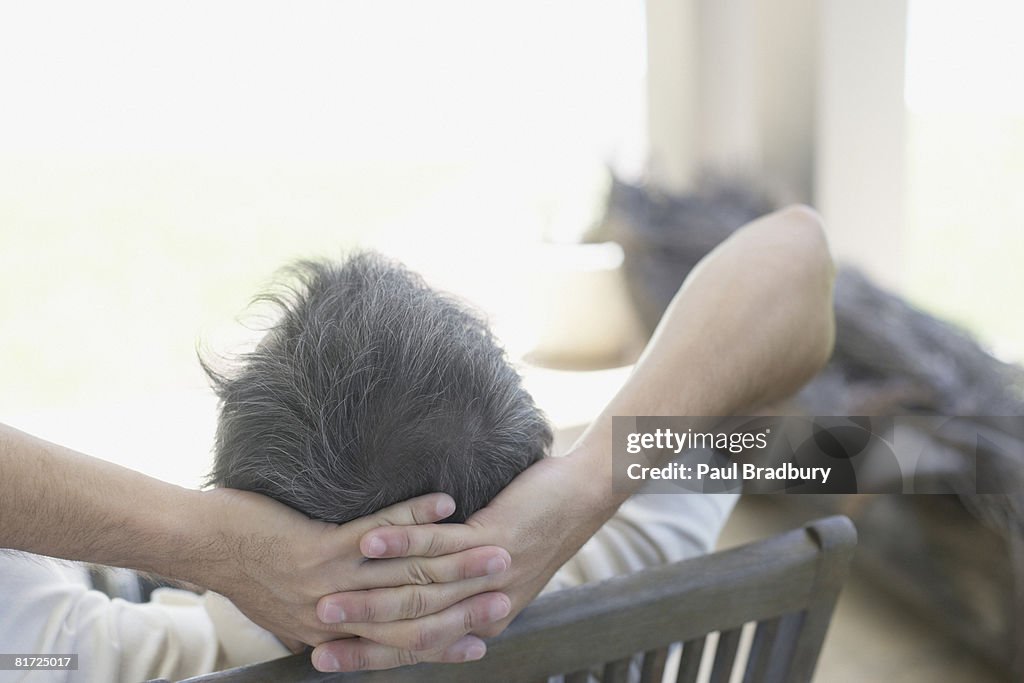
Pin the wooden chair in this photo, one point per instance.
(786, 585)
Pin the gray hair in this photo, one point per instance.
(372, 388)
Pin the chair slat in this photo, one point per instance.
(760, 651)
(725, 655)
(689, 663)
(780, 658)
(654, 665)
(617, 671)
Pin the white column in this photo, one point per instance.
(787, 78)
(861, 147)
(731, 87)
(671, 92)
(727, 87)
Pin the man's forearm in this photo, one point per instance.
(751, 324)
(57, 502)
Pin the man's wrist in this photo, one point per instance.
(591, 461)
(197, 543)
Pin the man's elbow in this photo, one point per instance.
(805, 233)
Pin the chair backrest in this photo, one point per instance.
(785, 587)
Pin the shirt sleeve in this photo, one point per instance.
(49, 608)
(647, 530)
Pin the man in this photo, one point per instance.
(541, 518)
(370, 389)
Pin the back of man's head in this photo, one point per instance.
(370, 389)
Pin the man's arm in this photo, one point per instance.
(272, 561)
(751, 324)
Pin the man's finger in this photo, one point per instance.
(357, 654)
(427, 509)
(426, 540)
(399, 571)
(404, 602)
(439, 630)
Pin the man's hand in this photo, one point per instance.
(275, 564)
(532, 518)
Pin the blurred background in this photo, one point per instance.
(159, 161)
